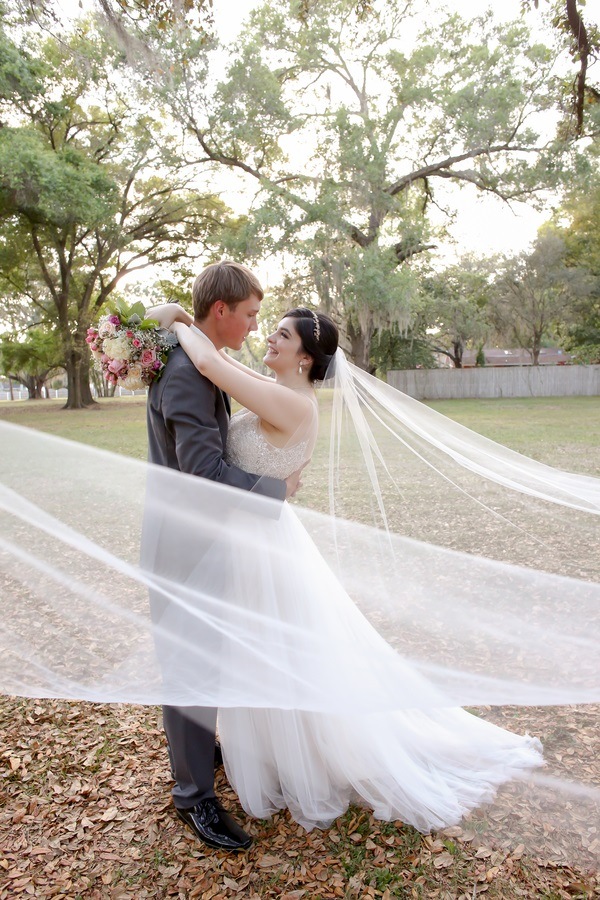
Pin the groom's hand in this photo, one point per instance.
(293, 482)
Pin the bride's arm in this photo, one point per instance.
(246, 369)
(166, 314)
(280, 406)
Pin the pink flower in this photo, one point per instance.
(90, 338)
(115, 320)
(93, 347)
(129, 333)
(117, 366)
(105, 358)
(148, 357)
(136, 342)
(92, 331)
(157, 364)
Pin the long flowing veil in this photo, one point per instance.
(126, 582)
(476, 546)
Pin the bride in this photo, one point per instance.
(423, 761)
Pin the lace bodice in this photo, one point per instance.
(249, 449)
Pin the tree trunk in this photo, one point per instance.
(457, 354)
(79, 395)
(103, 388)
(360, 342)
(74, 400)
(40, 381)
(33, 387)
(86, 391)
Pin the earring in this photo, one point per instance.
(300, 369)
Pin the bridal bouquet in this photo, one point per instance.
(129, 349)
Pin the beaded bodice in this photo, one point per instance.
(249, 449)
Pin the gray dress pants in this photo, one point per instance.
(191, 742)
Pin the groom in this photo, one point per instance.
(188, 420)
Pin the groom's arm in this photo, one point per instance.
(188, 405)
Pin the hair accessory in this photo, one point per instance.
(317, 329)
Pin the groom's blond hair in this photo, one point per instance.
(227, 281)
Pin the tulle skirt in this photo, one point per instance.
(395, 743)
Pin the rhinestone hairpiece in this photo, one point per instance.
(317, 328)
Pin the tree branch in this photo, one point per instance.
(403, 252)
(44, 269)
(583, 46)
(443, 167)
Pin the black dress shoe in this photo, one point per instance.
(214, 826)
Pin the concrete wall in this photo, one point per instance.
(517, 381)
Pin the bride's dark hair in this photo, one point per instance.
(319, 336)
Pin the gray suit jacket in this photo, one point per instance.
(188, 420)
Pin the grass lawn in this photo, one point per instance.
(117, 424)
(86, 809)
(561, 431)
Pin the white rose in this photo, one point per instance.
(133, 379)
(106, 328)
(117, 348)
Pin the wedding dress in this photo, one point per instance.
(423, 766)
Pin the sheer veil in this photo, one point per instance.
(475, 545)
(478, 565)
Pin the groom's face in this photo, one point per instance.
(236, 324)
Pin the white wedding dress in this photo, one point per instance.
(425, 763)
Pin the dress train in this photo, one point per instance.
(396, 746)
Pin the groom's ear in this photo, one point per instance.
(218, 309)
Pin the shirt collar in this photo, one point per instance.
(201, 333)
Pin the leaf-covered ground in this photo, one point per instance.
(86, 813)
(85, 809)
